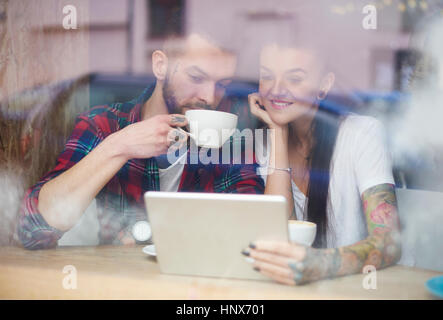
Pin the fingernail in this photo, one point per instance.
(299, 266)
(178, 119)
(250, 260)
(252, 245)
(297, 277)
(257, 269)
(245, 252)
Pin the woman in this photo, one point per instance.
(339, 162)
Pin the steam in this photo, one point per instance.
(417, 144)
(418, 132)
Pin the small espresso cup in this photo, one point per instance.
(302, 232)
(210, 128)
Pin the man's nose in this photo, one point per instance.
(208, 95)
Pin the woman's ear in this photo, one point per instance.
(159, 64)
(326, 85)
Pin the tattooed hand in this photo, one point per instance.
(296, 264)
(291, 263)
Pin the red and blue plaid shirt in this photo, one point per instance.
(121, 202)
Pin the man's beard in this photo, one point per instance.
(172, 104)
(169, 97)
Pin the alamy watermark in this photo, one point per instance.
(69, 281)
(370, 280)
(70, 18)
(370, 20)
(239, 151)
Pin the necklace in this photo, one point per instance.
(300, 170)
(303, 156)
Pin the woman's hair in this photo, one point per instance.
(35, 124)
(324, 130)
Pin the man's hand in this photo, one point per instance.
(151, 137)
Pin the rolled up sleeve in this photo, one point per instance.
(32, 229)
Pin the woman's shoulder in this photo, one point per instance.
(358, 132)
(354, 120)
(355, 125)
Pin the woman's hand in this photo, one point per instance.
(291, 263)
(255, 104)
(296, 264)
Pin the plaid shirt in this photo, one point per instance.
(120, 203)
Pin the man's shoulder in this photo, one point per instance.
(118, 115)
(110, 117)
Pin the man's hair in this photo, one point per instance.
(305, 34)
(213, 29)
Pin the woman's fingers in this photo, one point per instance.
(254, 105)
(280, 274)
(282, 248)
(254, 102)
(276, 259)
(254, 99)
(269, 257)
(286, 262)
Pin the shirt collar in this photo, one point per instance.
(135, 114)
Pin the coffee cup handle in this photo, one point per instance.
(186, 132)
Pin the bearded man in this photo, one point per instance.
(116, 152)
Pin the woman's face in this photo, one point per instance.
(290, 81)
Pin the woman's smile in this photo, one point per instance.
(280, 104)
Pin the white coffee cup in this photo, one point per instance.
(302, 232)
(209, 128)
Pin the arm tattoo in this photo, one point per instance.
(317, 264)
(382, 247)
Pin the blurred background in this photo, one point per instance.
(49, 74)
(119, 36)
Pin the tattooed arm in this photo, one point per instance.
(296, 264)
(382, 247)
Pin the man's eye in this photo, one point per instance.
(266, 76)
(295, 80)
(196, 79)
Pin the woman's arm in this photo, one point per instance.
(382, 247)
(297, 264)
(278, 182)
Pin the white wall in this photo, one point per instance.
(100, 43)
(353, 47)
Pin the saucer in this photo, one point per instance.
(150, 250)
(435, 286)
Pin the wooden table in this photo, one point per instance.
(125, 272)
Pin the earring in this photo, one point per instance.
(321, 95)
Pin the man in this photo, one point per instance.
(111, 153)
